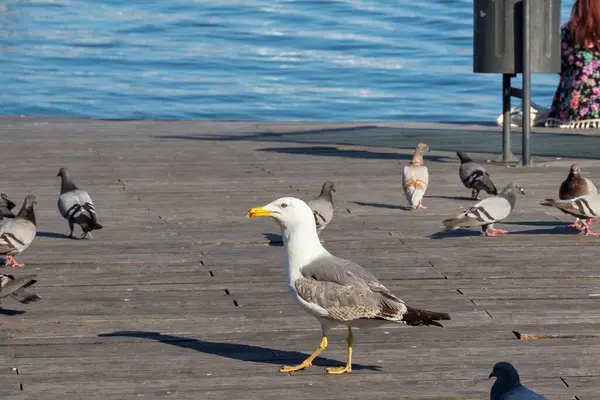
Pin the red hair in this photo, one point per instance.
(585, 23)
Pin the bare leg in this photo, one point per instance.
(308, 362)
(71, 227)
(348, 366)
(11, 262)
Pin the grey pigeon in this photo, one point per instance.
(487, 212)
(15, 288)
(508, 385)
(16, 234)
(574, 186)
(76, 206)
(584, 207)
(474, 176)
(6, 206)
(322, 206)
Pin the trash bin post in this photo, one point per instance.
(507, 155)
(526, 150)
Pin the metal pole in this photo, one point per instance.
(526, 158)
(507, 155)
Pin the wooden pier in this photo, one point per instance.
(181, 296)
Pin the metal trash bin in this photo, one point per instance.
(516, 36)
(498, 36)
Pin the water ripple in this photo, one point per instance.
(247, 59)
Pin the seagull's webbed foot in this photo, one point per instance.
(348, 366)
(308, 362)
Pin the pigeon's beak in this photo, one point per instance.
(491, 375)
(333, 189)
(259, 212)
(521, 190)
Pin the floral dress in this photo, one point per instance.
(577, 97)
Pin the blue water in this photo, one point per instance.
(407, 60)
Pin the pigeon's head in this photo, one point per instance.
(289, 212)
(513, 187)
(463, 156)
(327, 188)
(575, 169)
(62, 172)
(423, 147)
(506, 374)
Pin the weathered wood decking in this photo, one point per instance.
(182, 297)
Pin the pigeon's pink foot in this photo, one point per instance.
(491, 233)
(421, 206)
(499, 231)
(10, 261)
(574, 224)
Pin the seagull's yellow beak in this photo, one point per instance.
(259, 212)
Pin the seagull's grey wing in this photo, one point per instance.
(322, 210)
(16, 235)
(347, 291)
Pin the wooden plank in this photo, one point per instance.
(178, 257)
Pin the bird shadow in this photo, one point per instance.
(556, 230)
(451, 198)
(274, 239)
(53, 235)
(456, 234)
(381, 205)
(533, 223)
(234, 351)
(10, 313)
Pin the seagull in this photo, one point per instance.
(334, 290)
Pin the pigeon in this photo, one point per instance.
(584, 207)
(322, 206)
(576, 186)
(415, 178)
(474, 176)
(15, 288)
(487, 212)
(508, 385)
(334, 290)
(16, 234)
(76, 206)
(6, 206)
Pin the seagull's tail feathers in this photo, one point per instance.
(417, 317)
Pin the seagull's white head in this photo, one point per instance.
(289, 212)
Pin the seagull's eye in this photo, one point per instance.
(283, 205)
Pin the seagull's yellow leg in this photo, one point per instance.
(308, 362)
(348, 367)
